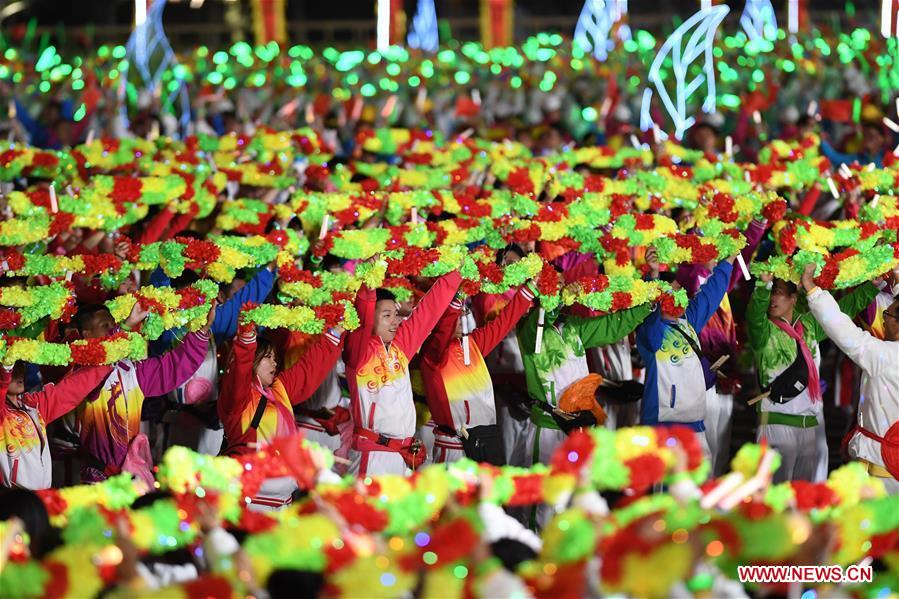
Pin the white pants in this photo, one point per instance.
(425, 434)
(274, 495)
(622, 415)
(823, 463)
(371, 463)
(320, 436)
(549, 441)
(719, 409)
(798, 451)
(446, 449)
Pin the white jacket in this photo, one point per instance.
(879, 361)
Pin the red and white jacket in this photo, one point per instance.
(459, 395)
(378, 374)
(25, 461)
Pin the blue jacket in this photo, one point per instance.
(225, 324)
(674, 389)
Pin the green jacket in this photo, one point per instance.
(562, 359)
(774, 349)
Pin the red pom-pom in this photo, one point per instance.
(9, 319)
(646, 470)
(775, 211)
(573, 453)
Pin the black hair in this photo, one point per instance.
(264, 347)
(788, 285)
(384, 295)
(149, 499)
(668, 276)
(86, 314)
(290, 584)
(512, 247)
(27, 507)
(186, 279)
(512, 553)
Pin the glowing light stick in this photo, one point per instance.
(538, 343)
(758, 21)
(383, 25)
(424, 34)
(595, 23)
(692, 41)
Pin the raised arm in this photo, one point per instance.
(609, 328)
(709, 297)
(357, 340)
(758, 326)
(872, 355)
(237, 381)
(436, 345)
(57, 400)
(851, 304)
(303, 378)
(159, 375)
(651, 334)
(491, 334)
(255, 291)
(415, 329)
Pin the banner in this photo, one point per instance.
(269, 21)
(497, 22)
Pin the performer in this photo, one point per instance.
(460, 395)
(256, 401)
(785, 343)
(377, 360)
(875, 436)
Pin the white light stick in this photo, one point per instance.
(746, 176)
(742, 264)
(310, 115)
(757, 117)
(466, 134)
(812, 108)
(729, 146)
(871, 166)
(891, 124)
(844, 170)
(466, 348)
(875, 200)
(604, 108)
(54, 206)
(389, 105)
(656, 134)
(754, 484)
(325, 222)
(724, 488)
(538, 343)
(635, 142)
(476, 96)
(414, 215)
(12, 110)
(420, 98)
(896, 151)
(69, 274)
(833, 187)
(897, 106)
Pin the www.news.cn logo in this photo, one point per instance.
(805, 574)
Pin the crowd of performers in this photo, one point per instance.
(469, 331)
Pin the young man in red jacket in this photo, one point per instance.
(377, 358)
(458, 386)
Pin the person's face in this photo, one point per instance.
(705, 140)
(891, 322)
(510, 258)
(387, 320)
(782, 302)
(267, 369)
(101, 324)
(17, 384)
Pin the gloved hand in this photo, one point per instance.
(582, 419)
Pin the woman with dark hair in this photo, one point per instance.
(256, 401)
(28, 508)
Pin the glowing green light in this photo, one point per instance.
(10, 54)
(429, 557)
(241, 49)
(80, 113)
(515, 82)
(257, 79)
(589, 114)
(496, 69)
(758, 75)
(368, 90)
(220, 57)
(427, 69)
(4, 71)
(352, 79)
(631, 46)
(44, 87)
(230, 83)
(393, 69)
(118, 52)
(634, 81)
(414, 81)
(446, 56)
(730, 100)
(462, 77)
(374, 58)
(78, 84)
(788, 66)
(460, 571)
(103, 51)
(215, 78)
(114, 74)
(46, 59)
(202, 51)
